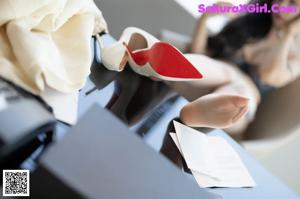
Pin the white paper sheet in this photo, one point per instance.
(213, 162)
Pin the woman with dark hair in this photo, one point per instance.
(251, 55)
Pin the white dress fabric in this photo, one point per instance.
(46, 43)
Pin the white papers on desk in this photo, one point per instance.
(213, 162)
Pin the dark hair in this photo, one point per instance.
(240, 31)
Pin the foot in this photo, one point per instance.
(215, 111)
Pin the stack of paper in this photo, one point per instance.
(213, 162)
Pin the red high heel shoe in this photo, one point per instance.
(162, 61)
(148, 56)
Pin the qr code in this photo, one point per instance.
(15, 182)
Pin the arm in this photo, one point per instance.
(199, 40)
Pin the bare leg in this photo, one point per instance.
(244, 86)
(233, 94)
(215, 73)
(214, 111)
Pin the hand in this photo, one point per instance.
(221, 4)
